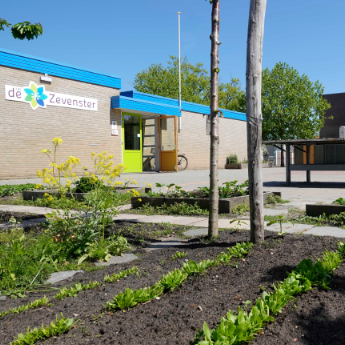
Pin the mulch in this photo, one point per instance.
(174, 318)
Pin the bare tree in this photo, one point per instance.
(254, 116)
(214, 134)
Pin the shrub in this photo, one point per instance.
(232, 159)
(86, 184)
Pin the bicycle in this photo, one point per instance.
(182, 162)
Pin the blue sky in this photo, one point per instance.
(124, 37)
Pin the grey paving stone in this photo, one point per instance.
(117, 260)
(58, 276)
(165, 244)
(290, 228)
(326, 231)
(273, 212)
(196, 232)
(2, 298)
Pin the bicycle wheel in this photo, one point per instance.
(182, 162)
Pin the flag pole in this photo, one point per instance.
(179, 68)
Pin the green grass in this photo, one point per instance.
(275, 199)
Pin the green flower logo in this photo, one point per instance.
(36, 96)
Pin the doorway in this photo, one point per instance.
(132, 143)
(168, 143)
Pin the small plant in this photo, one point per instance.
(31, 336)
(179, 255)
(173, 279)
(122, 274)
(275, 199)
(339, 201)
(73, 291)
(240, 209)
(238, 223)
(32, 305)
(280, 220)
(232, 159)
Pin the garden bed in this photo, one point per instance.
(225, 205)
(174, 317)
(5, 216)
(38, 194)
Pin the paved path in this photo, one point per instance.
(197, 222)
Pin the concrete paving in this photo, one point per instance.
(117, 260)
(196, 232)
(290, 228)
(326, 231)
(59, 276)
(166, 243)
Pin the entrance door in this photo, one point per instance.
(168, 143)
(132, 148)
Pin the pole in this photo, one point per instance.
(214, 137)
(254, 117)
(179, 59)
(179, 70)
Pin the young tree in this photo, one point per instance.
(292, 105)
(254, 117)
(163, 81)
(214, 135)
(22, 30)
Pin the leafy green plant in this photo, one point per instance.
(238, 223)
(339, 201)
(173, 279)
(241, 328)
(275, 199)
(32, 305)
(232, 159)
(7, 189)
(240, 209)
(179, 255)
(280, 220)
(122, 274)
(86, 184)
(31, 336)
(73, 291)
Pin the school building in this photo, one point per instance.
(43, 99)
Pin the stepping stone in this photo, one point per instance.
(117, 260)
(196, 232)
(326, 231)
(290, 228)
(165, 244)
(59, 276)
(2, 298)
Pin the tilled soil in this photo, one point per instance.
(315, 318)
(174, 317)
(5, 216)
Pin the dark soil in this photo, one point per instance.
(5, 216)
(174, 317)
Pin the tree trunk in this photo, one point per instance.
(214, 135)
(254, 116)
(282, 164)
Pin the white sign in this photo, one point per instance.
(38, 97)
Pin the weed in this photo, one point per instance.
(122, 274)
(275, 199)
(240, 209)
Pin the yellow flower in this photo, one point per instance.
(57, 141)
(139, 200)
(45, 195)
(87, 174)
(128, 191)
(45, 151)
(38, 186)
(109, 181)
(92, 154)
(103, 178)
(74, 174)
(150, 185)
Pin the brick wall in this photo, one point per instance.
(195, 143)
(24, 132)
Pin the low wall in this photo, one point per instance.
(319, 210)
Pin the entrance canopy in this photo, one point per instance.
(312, 155)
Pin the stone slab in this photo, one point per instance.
(2, 298)
(326, 231)
(290, 228)
(273, 212)
(196, 232)
(117, 260)
(59, 276)
(26, 209)
(165, 244)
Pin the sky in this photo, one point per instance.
(124, 37)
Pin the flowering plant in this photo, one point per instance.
(52, 176)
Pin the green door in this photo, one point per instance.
(132, 148)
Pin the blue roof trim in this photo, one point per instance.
(186, 106)
(36, 64)
(141, 105)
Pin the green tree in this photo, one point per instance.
(22, 30)
(292, 105)
(163, 81)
